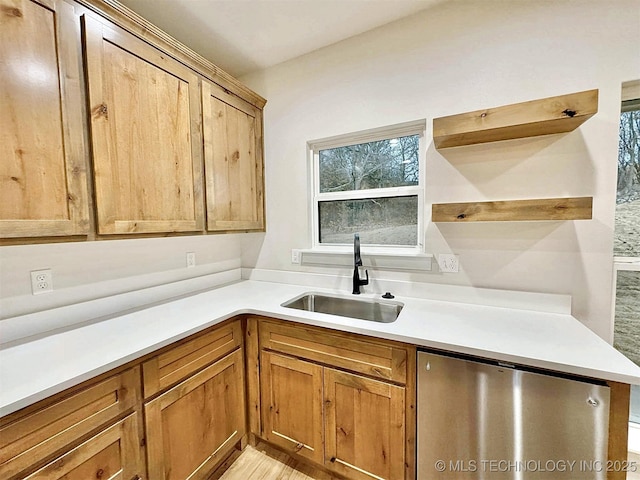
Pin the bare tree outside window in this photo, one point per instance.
(381, 219)
(627, 230)
(380, 164)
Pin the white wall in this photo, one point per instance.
(457, 57)
(88, 270)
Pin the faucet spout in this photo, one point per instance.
(357, 262)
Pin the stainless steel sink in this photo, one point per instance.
(364, 309)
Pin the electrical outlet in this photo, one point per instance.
(296, 256)
(448, 263)
(191, 259)
(41, 281)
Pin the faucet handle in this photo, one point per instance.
(366, 280)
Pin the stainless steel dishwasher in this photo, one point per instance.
(482, 420)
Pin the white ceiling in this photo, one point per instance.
(242, 36)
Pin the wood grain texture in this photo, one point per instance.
(364, 427)
(252, 358)
(411, 414)
(145, 131)
(559, 114)
(267, 463)
(578, 208)
(234, 168)
(618, 426)
(27, 439)
(112, 453)
(292, 405)
(126, 18)
(43, 184)
(195, 425)
(375, 358)
(184, 359)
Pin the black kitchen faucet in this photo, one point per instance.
(357, 261)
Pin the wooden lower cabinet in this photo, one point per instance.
(348, 423)
(31, 437)
(113, 453)
(194, 410)
(364, 426)
(194, 425)
(346, 402)
(292, 405)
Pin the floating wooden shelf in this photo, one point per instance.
(578, 208)
(528, 119)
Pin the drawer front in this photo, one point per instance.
(180, 362)
(33, 437)
(111, 454)
(369, 357)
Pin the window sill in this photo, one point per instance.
(626, 263)
(372, 257)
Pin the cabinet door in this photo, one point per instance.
(292, 404)
(43, 189)
(233, 161)
(145, 133)
(364, 427)
(113, 453)
(191, 427)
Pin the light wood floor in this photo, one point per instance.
(265, 463)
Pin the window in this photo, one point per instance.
(627, 229)
(369, 183)
(626, 248)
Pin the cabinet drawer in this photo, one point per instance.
(370, 357)
(174, 365)
(31, 438)
(112, 453)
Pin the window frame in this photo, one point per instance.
(417, 127)
(630, 92)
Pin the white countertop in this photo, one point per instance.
(37, 367)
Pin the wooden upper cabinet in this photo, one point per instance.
(145, 114)
(233, 161)
(43, 186)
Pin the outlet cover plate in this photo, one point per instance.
(41, 281)
(448, 263)
(191, 259)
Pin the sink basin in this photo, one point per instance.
(364, 309)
